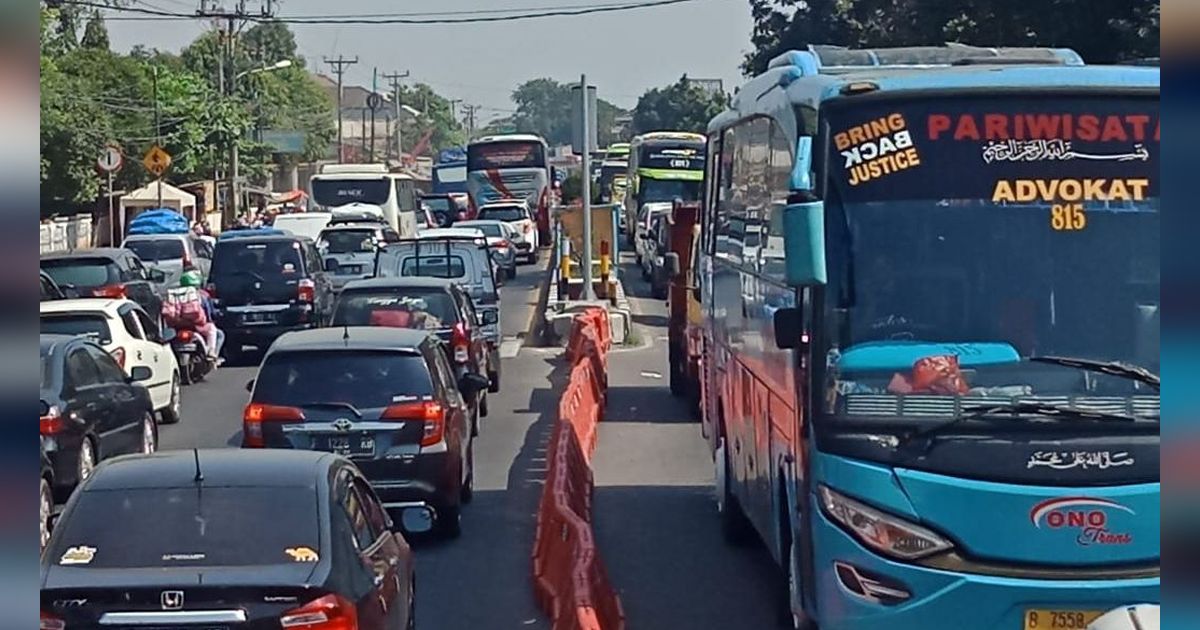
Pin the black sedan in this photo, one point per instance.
(228, 539)
(386, 398)
(90, 410)
(107, 272)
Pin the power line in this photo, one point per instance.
(339, 67)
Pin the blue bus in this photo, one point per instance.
(450, 177)
(929, 284)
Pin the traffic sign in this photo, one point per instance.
(110, 159)
(157, 160)
(374, 101)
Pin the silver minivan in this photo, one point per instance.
(169, 253)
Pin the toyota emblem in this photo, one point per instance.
(172, 600)
(342, 424)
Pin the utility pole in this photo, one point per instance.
(394, 78)
(471, 109)
(586, 181)
(454, 107)
(157, 136)
(339, 68)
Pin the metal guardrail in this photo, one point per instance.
(62, 234)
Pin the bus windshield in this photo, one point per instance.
(331, 193)
(668, 190)
(965, 236)
(675, 157)
(508, 154)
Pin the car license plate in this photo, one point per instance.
(258, 318)
(1057, 619)
(361, 445)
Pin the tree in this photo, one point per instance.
(95, 33)
(681, 106)
(1101, 31)
(544, 107)
(436, 119)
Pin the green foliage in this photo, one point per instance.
(1102, 31)
(544, 108)
(95, 33)
(437, 116)
(681, 106)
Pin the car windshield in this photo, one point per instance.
(504, 213)
(668, 190)
(332, 193)
(434, 267)
(186, 527)
(82, 272)
(272, 257)
(364, 379)
(157, 249)
(1027, 253)
(94, 327)
(427, 309)
(349, 241)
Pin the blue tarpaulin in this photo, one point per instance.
(158, 221)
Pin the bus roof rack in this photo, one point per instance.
(831, 59)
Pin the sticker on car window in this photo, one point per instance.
(78, 555)
(183, 557)
(404, 398)
(302, 554)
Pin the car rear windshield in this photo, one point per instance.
(159, 249)
(183, 527)
(94, 327)
(505, 213)
(490, 229)
(427, 309)
(362, 378)
(349, 241)
(82, 272)
(434, 267)
(271, 257)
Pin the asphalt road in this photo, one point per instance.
(481, 580)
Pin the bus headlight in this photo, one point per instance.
(884, 533)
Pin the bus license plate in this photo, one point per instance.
(1051, 619)
(349, 445)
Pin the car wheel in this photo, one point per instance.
(45, 511)
(468, 487)
(185, 372)
(149, 434)
(494, 382)
(483, 407)
(170, 413)
(449, 521)
(87, 460)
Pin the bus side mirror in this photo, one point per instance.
(789, 327)
(804, 243)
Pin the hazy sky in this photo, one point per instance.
(623, 53)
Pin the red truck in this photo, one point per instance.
(685, 341)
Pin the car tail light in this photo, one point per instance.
(50, 621)
(119, 355)
(306, 290)
(460, 343)
(52, 421)
(257, 413)
(331, 612)
(429, 412)
(503, 244)
(115, 291)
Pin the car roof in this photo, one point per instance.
(500, 203)
(354, 226)
(400, 282)
(47, 342)
(250, 236)
(351, 338)
(225, 467)
(111, 253)
(473, 222)
(85, 305)
(156, 237)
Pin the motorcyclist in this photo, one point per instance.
(214, 337)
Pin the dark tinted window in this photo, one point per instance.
(161, 249)
(504, 213)
(434, 267)
(516, 154)
(82, 272)
(81, 370)
(365, 379)
(182, 527)
(271, 257)
(106, 366)
(92, 326)
(402, 308)
(339, 192)
(349, 241)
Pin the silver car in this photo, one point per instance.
(501, 241)
(348, 250)
(169, 253)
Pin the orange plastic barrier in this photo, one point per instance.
(570, 581)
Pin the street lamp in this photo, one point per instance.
(278, 65)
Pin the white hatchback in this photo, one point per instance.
(515, 213)
(123, 329)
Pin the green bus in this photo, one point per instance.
(663, 166)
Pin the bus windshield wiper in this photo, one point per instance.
(1114, 368)
(1017, 411)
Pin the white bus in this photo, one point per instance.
(369, 188)
(513, 166)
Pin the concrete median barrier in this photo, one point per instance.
(570, 580)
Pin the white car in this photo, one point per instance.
(123, 329)
(307, 224)
(515, 213)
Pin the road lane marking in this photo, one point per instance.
(510, 348)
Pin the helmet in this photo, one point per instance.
(190, 278)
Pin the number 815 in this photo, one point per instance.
(1067, 217)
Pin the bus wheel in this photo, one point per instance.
(733, 522)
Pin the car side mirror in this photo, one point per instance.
(331, 265)
(789, 327)
(487, 318)
(166, 335)
(671, 262)
(139, 373)
(156, 276)
(472, 383)
(250, 385)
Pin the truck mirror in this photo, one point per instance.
(671, 262)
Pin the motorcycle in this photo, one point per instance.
(191, 353)
(1131, 617)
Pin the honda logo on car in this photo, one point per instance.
(1088, 515)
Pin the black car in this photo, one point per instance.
(384, 397)
(50, 289)
(227, 539)
(265, 283)
(90, 410)
(108, 272)
(433, 304)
